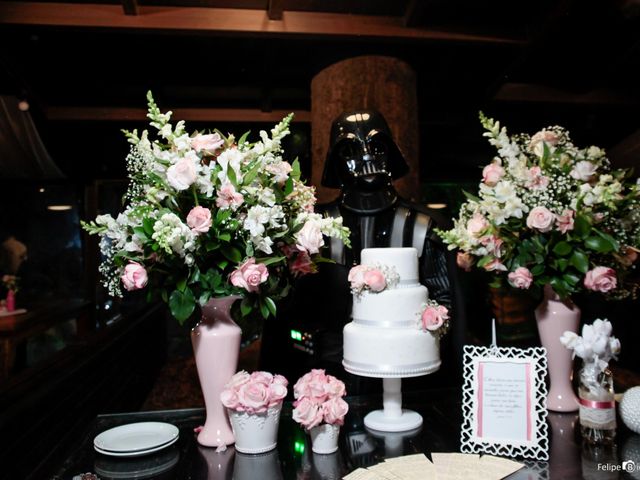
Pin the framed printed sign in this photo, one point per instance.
(503, 404)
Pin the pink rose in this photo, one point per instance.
(230, 399)
(434, 317)
(465, 261)
(280, 171)
(491, 174)
(277, 392)
(309, 238)
(229, 197)
(308, 413)
(477, 224)
(540, 218)
(521, 277)
(356, 276)
(249, 275)
(182, 174)
(280, 380)
(493, 245)
(238, 380)
(334, 411)
(261, 377)
(302, 265)
(375, 280)
(254, 397)
(601, 279)
(199, 219)
(334, 387)
(208, 143)
(565, 221)
(134, 276)
(495, 265)
(539, 139)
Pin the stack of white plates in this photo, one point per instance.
(136, 439)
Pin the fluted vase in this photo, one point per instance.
(216, 346)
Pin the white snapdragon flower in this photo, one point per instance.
(165, 131)
(182, 143)
(172, 235)
(203, 181)
(230, 158)
(257, 217)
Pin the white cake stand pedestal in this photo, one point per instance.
(392, 418)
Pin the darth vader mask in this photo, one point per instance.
(362, 152)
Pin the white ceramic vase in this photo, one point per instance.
(324, 438)
(257, 432)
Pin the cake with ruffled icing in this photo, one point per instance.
(384, 339)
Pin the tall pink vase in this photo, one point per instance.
(216, 345)
(554, 317)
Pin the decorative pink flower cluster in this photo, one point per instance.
(373, 278)
(434, 317)
(319, 399)
(255, 392)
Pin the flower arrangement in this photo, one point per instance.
(11, 283)
(211, 215)
(254, 393)
(596, 346)
(372, 278)
(434, 318)
(549, 212)
(318, 400)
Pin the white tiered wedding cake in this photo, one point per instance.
(384, 339)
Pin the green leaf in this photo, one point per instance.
(148, 224)
(164, 295)
(182, 304)
(537, 270)
(580, 261)
(599, 244)
(140, 232)
(269, 260)
(581, 226)
(245, 307)
(204, 298)
(243, 138)
(295, 169)
(612, 241)
(288, 186)
(562, 248)
(182, 284)
(271, 305)
(571, 278)
(231, 175)
(231, 253)
(264, 310)
(563, 263)
(484, 261)
(252, 174)
(210, 246)
(225, 237)
(471, 197)
(222, 264)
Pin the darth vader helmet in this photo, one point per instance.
(362, 152)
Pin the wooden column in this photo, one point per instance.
(379, 83)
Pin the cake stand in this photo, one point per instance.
(392, 418)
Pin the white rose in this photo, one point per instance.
(583, 170)
(309, 238)
(181, 175)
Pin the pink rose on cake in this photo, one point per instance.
(375, 278)
(434, 318)
(254, 393)
(319, 400)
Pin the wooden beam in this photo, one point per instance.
(275, 9)
(414, 12)
(121, 114)
(229, 21)
(130, 7)
(531, 93)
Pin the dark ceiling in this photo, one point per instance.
(529, 63)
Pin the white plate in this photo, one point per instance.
(136, 453)
(136, 437)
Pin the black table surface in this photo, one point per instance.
(293, 458)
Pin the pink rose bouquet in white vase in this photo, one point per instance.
(320, 409)
(254, 402)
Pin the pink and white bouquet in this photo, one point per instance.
(434, 318)
(318, 400)
(372, 278)
(254, 393)
(548, 212)
(210, 215)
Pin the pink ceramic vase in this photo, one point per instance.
(554, 317)
(11, 301)
(216, 345)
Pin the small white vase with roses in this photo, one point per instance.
(254, 402)
(320, 409)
